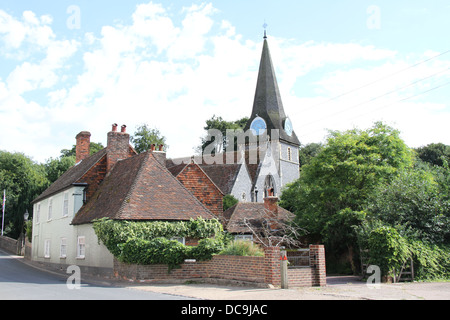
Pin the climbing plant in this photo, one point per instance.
(152, 242)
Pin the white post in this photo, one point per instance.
(3, 209)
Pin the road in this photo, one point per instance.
(19, 281)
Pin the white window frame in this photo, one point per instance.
(63, 248)
(181, 240)
(81, 247)
(65, 209)
(47, 244)
(38, 212)
(50, 209)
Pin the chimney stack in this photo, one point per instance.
(159, 154)
(118, 147)
(83, 146)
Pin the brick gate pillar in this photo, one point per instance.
(272, 265)
(317, 263)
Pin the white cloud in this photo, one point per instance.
(173, 70)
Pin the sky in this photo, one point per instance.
(71, 66)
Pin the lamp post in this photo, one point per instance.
(25, 219)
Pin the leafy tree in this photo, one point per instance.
(221, 125)
(414, 204)
(343, 175)
(54, 168)
(307, 152)
(144, 137)
(434, 153)
(23, 180)
(229, 201)
(94, 148)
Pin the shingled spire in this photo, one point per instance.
(267, 103)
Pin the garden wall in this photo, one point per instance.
(252, 270)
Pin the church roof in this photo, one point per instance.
(267, 102)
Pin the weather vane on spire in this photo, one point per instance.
(265, 28)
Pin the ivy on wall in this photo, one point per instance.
(150, 242)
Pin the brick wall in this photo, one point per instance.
(256, 270)
(198, 183)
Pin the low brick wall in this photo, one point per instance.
(256, 270)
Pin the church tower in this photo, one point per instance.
(279, 164)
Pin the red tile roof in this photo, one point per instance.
(140, 188)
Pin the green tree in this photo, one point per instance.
(307, 152)
(144, 137)
(221, 125)
(23, 180)
(343, 175)
(434, 153)
(54, 168)
(413, 202)
(94, 148)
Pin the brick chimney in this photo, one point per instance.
(159, 153)
(118, 147)
(271, 205)
(83, 146)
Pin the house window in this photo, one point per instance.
(66, 204)
(47, 248)
(38, 212)
(63, 248)
(289, 154)
(181, 240)
(50, 209)
(81, 247)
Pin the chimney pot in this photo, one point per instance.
(161, 147)
(114, 127)
(152, 147)
(123, 128)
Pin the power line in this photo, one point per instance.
(388, 105)
(377, 97)
(373, 82)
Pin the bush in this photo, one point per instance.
(387, 249)
(431, 262)
(150, 242)
(243, 248)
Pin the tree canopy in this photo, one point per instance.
(144, 137)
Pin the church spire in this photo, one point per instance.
(267, 103)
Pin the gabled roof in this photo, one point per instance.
(140, 188)
(72, 175)
(267, 103)
(233, 218)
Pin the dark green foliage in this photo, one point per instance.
(151, 242)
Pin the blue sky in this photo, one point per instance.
(68, 66)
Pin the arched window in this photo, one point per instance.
(269, 186)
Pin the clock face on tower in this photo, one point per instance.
(288, 127)
(258, 126)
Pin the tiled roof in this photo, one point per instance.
(74, 174)
(140, 188)
(253, 212)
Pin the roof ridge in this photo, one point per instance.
(163, 167)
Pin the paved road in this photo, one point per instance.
(19, 281)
